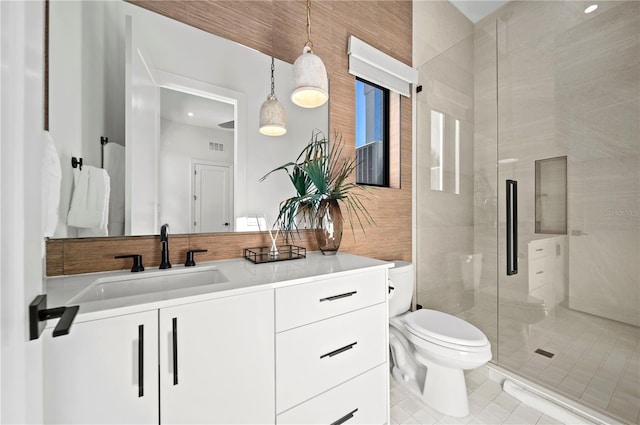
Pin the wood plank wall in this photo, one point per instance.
(278, 28)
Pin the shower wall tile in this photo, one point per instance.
(438, 25)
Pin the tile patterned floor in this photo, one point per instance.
(488, 404)
(596, 361)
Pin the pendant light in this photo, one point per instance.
(273, 117)
(310, 85)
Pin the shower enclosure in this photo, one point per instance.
(528, 194)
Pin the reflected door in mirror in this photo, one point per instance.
(211, 198)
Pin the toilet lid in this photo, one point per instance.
(445, 327)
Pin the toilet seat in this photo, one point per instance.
(446, 330)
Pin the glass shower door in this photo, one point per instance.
(569, 134)
(456, 190)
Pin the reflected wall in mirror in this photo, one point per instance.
(116, 70)
(551, 195)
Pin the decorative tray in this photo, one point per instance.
(262, 254)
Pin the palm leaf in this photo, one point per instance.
(320, 172)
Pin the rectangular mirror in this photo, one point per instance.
(551, 196)
(180, 108)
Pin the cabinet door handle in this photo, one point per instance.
(539, 249)
(345, 418)
(339, 350)
(175, 351)
(140, 360)
(540, 272)
(337, 297)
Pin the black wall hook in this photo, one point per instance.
(76, 162)
(38, 314)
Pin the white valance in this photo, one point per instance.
(371, 64)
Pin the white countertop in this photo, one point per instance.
(242, 276)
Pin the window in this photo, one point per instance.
(372, 134)
(381, 81)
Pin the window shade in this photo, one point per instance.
(371, 64)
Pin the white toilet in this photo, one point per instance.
(430, 349)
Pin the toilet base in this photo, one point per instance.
(445, 389)
(440, 387)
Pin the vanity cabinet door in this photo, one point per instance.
(103, 371)
(217, 361)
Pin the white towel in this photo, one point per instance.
(114, 159)
(89, 209)
(51, 184)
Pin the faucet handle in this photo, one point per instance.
(190, 257)
(137, 262)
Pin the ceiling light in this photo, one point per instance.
(273, 117)
(310, 83)
(190, 114)
(591, 8)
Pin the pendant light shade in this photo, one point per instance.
(310, 84)
(273, 117)
(311, 87)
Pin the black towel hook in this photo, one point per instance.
(76, 162)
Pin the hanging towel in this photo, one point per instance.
(51, 184)
(114, 165)
(89, 209)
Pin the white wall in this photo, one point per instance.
(179, 145)
(21, 242)
(65, 98)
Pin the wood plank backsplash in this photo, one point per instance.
(278, 28)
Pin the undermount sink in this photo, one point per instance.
(148, 282)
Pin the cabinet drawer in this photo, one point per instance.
(541, 248)
(301, 304)
(362, 400)
(314, 358)
(539, 271)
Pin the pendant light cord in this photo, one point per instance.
(273, 83)
(309, 43)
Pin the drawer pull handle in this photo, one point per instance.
(339, 350)
(337, 297)
(175, 350)
(345, 418)
(539, 249)
(140, 360)
(540, 272)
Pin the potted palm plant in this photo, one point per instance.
(320, 177)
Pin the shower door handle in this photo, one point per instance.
(512, 227)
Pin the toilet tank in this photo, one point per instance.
(401, 279)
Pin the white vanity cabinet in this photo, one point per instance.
(331, 350)
(301, 342)
(224, 364)
(93, 374)
(223, 371)
(547, 270)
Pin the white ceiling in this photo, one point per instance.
(475, 10)
(175, 106)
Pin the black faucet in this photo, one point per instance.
(164, 240)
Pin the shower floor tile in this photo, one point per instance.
(596, 361)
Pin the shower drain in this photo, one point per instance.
(544, 353)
